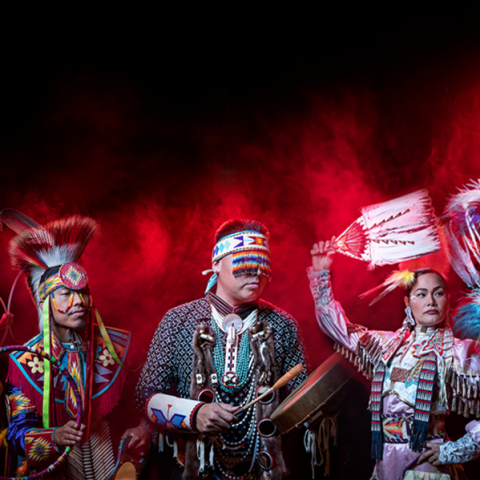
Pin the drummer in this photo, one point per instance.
(200, 348)
(410, 396)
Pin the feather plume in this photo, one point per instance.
(393, 231)
(16, 221)
(466, 316)
(397, 278)
(462, 225)
(54, 244)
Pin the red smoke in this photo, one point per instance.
(159, 191)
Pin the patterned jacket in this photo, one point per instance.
(169, 362)
(26, 436)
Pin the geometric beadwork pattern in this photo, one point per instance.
(73, 276)
(240, 241)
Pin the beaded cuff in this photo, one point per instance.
(461, 451)
(193, 416)
(172, 413)
(320, 286)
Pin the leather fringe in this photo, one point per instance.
(465, 398)
(368, 354)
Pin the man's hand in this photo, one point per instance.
(140, 442)
(322, 255)
(68, 435)
(215, 417)
(431, 456)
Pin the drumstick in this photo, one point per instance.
(281, 382)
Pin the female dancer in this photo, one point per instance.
(420, 374)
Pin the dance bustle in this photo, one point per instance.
(392, 232)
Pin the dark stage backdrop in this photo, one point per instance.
(161, 124)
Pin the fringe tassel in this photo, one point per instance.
(418, 436)
(366, 357)
(310, 444)
(105, 403)
(465, 399)
(201, 453)
(161, 441)
(377, 445)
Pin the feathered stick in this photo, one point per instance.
(392, 232)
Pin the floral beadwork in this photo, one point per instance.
(36, 365)
(106, 358)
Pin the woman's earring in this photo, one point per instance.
(409, 318)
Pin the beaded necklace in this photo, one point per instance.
(243, 357)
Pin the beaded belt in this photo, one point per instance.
(397, 429)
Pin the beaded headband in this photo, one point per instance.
(71, 275)
(240, 242)
(250, 251)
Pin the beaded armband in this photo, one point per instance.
(172, 413)
(320, 286)
(461, 451)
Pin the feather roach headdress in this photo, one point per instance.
(36, 250)
(392, 232)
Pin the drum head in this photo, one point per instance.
(126, 472)
(321, 392)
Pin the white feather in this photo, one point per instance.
(398, 230)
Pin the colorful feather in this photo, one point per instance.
(406, 278)
(466, 317)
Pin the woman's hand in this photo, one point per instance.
(68, 435)
(322, 255)
(431, 456)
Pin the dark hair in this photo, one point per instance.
(239, 225)
(48, 273)
(423, 271)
